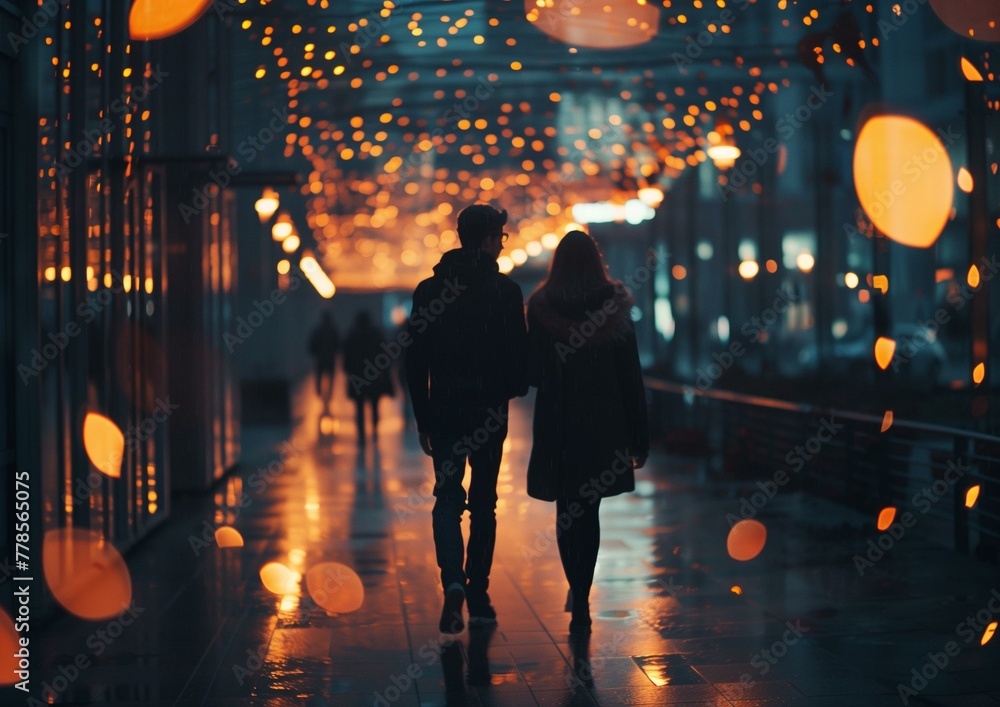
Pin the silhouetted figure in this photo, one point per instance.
(590, 426)
(324, 342)
(368, 370)
(407, 408)
(466, 361)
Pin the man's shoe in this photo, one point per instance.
(580, 624)
(481, 611)
(451, 614)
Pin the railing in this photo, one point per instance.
(843, 456)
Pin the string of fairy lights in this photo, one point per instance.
(402, 109)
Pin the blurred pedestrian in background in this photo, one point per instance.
(324, 343)
(367, 380)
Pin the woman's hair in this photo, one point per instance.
(577, 265)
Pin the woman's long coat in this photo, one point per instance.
(590, 411)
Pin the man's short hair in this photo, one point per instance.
(479, 221)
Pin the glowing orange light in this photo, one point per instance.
(971, 496)
(973, 276)
(278, 579)
(884, 350)
(988, 633)
(979, 373)
(317, 276)
(679, 272)
(746, 540)
(735, 589)
(267, 204)
(887, 420)
(335, 587)
(965, 180)
(599, 24)
(228, 537)
(9, 645)
(970, 72)
(885, 517)
(87, 576)
(972, 19)
(105, 444)
(748, 269)
(909, 206)
(881, 282)
(156, 19)
(283, 227)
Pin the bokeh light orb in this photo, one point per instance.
(335, 587)
(746, 540)
(903, 178)
(85, 574)
(885, 349)
(885, 517)
(227, 536)
(105, 444)
(598, 24)
(278, 579)
(9, 645)
(156, 19)
(973, 19)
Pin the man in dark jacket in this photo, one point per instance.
(466, 361)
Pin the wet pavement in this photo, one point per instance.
(676, 620)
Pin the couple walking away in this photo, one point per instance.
(472, 352)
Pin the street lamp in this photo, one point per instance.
(722, 150)
(291, 244)
(267, 204)
(283, 227)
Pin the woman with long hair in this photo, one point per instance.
(590, 425)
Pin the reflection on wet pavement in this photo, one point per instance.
(347, 614)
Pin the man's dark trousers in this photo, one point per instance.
(476, 434)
